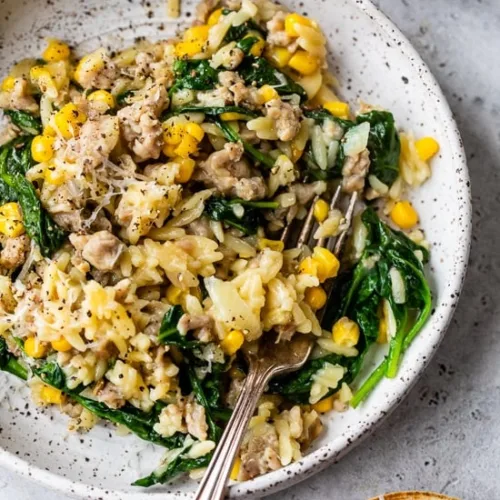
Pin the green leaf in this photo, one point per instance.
(236, 33)
(194, 75)
(258, 71)
(212, 111)
(383, 144)
(9, 363)
(169, 333)
(25, 121)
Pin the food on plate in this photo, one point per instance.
(142, 198)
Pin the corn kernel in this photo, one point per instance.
(195, 130)
(236, 469)
(186, 169)
(292, 19)
(187, 146)
(69, 121)
(345, 332)
(231, 116)
(309, 266)
(315, 297)
(54, 176)
(169, 150)
(214, 17)
(196, 33)
(426, 147)
(232, 342)
(42, 148)
(41, 77)
(324, 406)
(103, 99)
(51, 395)
(328, 264)
(257, 47)
(8, 84)
(303, 62)
(337, 108)
(279, 56)
(276, 245)
(404, 215)
(321, 210)
(174, 295)
(49, 131)
(267, 93)
(56, 51)
(61, 345)
(90, 63)
(188, 49)
(173, 134)
(11, 220)
(34, 349)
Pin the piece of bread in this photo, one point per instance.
(413, 495)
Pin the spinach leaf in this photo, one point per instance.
(383, 144)
(121, 98)
(170, 335)
(194, 75)
(137, 421)
(246, 44)
(25, 121)
(223, 210)
(231, 135)
(236, 33)
(258, 71)
(9, 363)
(15, 160)
(177, 462)
(212, 111)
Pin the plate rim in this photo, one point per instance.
(318, 460)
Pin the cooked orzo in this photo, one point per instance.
(143, 194)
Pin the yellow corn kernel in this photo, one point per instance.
(309, 266)
(103, 99)
(337, 108)
(267, 93)
(196, 33)
(8, 84)
(321, 210)
(231, 116)
(258, 47)
(426, 147)
(61, 345)
(174, 295)
(89, 64)
(324, 406)
(69, 120)
(11, 220)
(292, 19)
(51, 395)
(42, 148)
(34, 349)
(195, 130)
(315, 297)
(187, 146)
(404, 215)
(303, 62)
(49, 131)
(214, 17)
(56, 51)
(232, 342)
(188, 49)
(186, 169)
(169, 150)
(173, 134)
(236, 469)
(275, 245)
(279, 56)
(328, 264)
(345, 332)
(54, 176)
(41, 77)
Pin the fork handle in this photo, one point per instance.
(213, 484)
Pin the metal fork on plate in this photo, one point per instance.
(271, 359)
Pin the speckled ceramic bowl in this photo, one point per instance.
(374, 62)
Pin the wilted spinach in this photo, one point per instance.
(170, 335)
(194, 75)
(9, 363)
(236, 33)
(15, 161)
(211, 111)
(226, 210)
(25, 121)
(258, 71)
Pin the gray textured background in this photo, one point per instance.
(446, 435)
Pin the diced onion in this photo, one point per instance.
(356, 139)
(319, 147)
(398, 286)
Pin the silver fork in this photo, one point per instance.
(271, 359)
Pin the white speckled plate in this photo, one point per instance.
(374, 62)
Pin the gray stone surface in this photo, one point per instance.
(446, 435)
